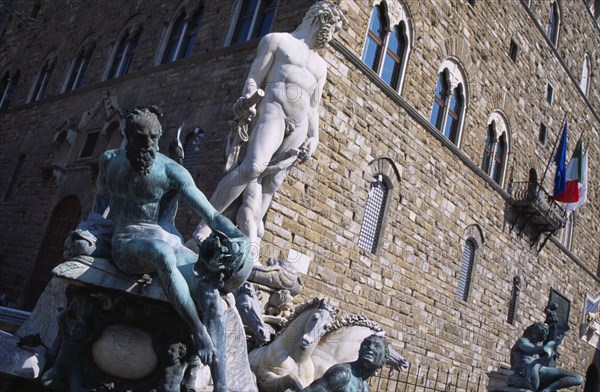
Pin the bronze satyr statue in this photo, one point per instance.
(353, 376)
(531, 361)
(142, 188)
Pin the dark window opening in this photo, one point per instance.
(90, 145)
(549, 93)
(542, 133)
(513, 50)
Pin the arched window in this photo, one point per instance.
(65, 217)
(584, 84)
(499, 156)
(123, 55)
(449, 102)
(495, 151)
(473, 241)
(386, 46)
(394, 55)
(41, 81)
(254, 19)
(191, 150)
(466, 269)
(7, 87)
(488, 150)
(182, 37)
(439, 102)
(454, 110)
(553, 23)
(78, 67)
(374, 45)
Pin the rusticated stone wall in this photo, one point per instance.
(410, 284)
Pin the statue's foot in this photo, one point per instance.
(204, 347)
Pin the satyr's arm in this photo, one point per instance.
(102, 197)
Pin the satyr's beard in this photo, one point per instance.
(141, 159)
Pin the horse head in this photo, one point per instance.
(310, 322)
(395, 360)
(249, 306)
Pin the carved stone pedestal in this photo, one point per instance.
(119, 332)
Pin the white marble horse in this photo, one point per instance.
(286, 363)
(341, 343)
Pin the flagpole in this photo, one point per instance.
(554, 148)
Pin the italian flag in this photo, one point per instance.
(575, 174)
(583, 187)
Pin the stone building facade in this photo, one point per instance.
(435, 258)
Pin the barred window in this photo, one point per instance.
(191, 151)
(466, 269)
(374, 213)
(514, 300)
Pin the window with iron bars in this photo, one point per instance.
(370, 230)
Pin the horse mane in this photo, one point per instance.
(316, 302)
(354, 320)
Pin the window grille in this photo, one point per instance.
(374, 213)
(466, 270)
(191, 151)
(514, 298)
